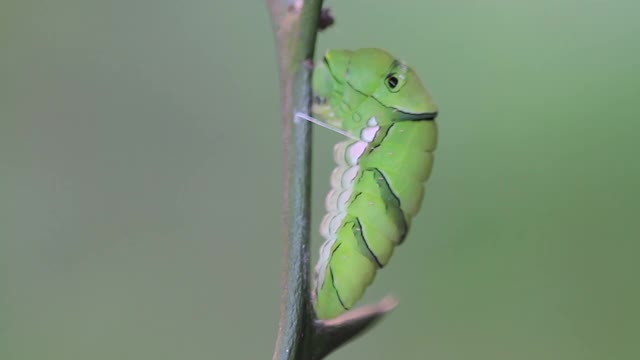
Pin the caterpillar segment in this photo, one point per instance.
(377, 186)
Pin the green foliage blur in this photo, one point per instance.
(140, 180)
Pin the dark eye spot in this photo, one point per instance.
(392, 81)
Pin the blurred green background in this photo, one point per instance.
(140, 180)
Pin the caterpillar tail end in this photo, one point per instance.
(328, 306)
(330, 303)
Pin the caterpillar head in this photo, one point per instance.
(377, 73)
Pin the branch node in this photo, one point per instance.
(333, 333)
(326, 19)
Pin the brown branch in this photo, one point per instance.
(300, 334)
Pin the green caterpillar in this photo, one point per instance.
(378, 185)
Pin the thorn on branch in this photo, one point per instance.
(333, 333)
(326, 19)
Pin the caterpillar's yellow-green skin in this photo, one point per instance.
(378, 185)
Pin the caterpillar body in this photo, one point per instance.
(378, 184)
